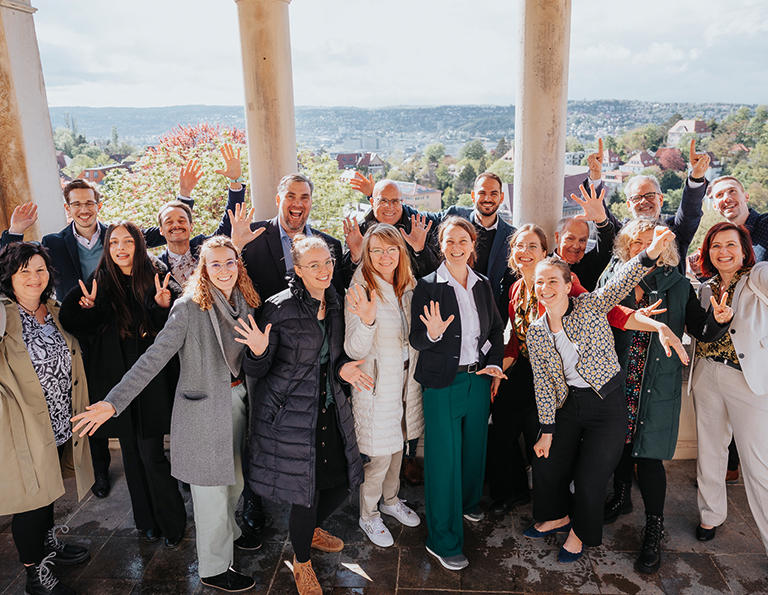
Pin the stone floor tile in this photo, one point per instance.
(379, 564)
(103, 586)
(733, 536)
(680, 472)
(540, 572)
(122, 557)
(261, 564)
(521, 522)
(623, 535)
(174, 564)
(492, 569)
(617, 573)
(420, 570)
(746, 574)
(691, 574)
(164, 587)
(16, 587)
(325, 566)
(99, 517)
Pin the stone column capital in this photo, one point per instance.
(20, 5)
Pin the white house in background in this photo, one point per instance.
(715, 167)
(421, 197)
(697, 127)
(611, 160)
(574, 157)
(372, 161)
(638, 162)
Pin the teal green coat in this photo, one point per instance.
(658, 410)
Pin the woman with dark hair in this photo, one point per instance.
(729, 380)
(303, 450)
(456, 327)
(42, 383)
(208, 428)
(117, 321)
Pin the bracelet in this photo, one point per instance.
(240, 180)
(698, 180)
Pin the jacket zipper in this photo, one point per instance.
(375, 376)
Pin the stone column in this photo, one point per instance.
(540, 112)
(270, 123)
(28, 170)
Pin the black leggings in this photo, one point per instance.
(303, 521)
(651, 477)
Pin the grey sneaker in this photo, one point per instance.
(451, 562)
(475, 516)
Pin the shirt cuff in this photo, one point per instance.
(692, 184)
(547, 428)
(492, 366)
(431, 340)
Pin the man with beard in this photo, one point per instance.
(730, 200)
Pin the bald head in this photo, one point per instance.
(387, 202)
(571, 239)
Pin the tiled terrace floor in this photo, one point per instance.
(501, 559)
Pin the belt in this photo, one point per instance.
(471, 368)
(726, 361)
(237, 382)
(575, 390)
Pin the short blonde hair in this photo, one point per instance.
(632, 230)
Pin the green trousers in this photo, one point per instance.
(455, 441)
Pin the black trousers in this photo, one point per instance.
(651, 477)
(586, 446)
(303, 521)
(155, 496)
(100, 455)
(513, 412)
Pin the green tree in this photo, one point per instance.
(502, 148)
(504, 169)
(435, 153)
(572, 144)
(472, 150)
(466, 179)
(465, 200)
(670, 180)
(330, 195)
(449, 197)
(443, 177)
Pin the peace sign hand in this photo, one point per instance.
(419, 230)
(652, 310)
(254, 338)
(163, 294)
(699, 161)
(722, 312)
(662, 237)
(433, 321)
(89, 299)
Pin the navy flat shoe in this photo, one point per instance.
(566, 557)
(534, 533)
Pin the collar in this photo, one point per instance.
(85, 242)
(284, 236)
(176, 258)
(751, 219)
(444, 276)
(477, 222)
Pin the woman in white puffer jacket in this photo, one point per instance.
(377, 327)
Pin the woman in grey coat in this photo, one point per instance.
(209, 405)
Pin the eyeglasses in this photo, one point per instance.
(529, 247)
(216, 267)
(649, 196)
(315, 266)
(395, 202)
(88, 205)
(378, 252)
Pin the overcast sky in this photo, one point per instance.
(400, 52)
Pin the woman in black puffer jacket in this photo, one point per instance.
(303, 450)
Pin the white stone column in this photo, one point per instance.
(28, 169)
(270, 123)
(540, 112)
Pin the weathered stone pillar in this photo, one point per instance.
(28, 170)
(540, 112)
(270, 124)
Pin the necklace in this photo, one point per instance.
(28, 311)
(322, 305)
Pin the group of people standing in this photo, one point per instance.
(286, 366)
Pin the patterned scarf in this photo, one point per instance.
(224, 318)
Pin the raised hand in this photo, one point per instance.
(254, 338)
(433, 321)
(350, 372)
(595, 162)
(89, 299)
(699, 161)
(662, 237)
(419, 230)
(722, 312)
(189, 177)
(242, 234)
(353, 238)
(669, 339)
(93, 417)
(363, 184)
(594, 209)
(360, 304)
(652, 309)
(694, 263)
(23, 217)
(233, 169)
(163, 294)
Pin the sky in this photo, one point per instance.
(366, 53)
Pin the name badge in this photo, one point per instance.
(486, 348)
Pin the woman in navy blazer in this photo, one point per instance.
(456, 327)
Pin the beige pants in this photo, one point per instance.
(724, 405)
(214, 506)
(382, 479)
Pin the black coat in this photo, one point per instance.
(264, 261)
(439, 362)
(285, 406)
(96, 329)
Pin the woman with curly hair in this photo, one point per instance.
(209, 406)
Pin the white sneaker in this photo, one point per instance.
(402, 513)
(377, 532)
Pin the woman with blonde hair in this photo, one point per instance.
(654, 381)
(377, 326)
(209, 406)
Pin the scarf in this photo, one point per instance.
(224, 319)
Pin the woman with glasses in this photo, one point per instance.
(378, 322)
(117, 320)
(303, 450)
(456, 327)
(208, 429)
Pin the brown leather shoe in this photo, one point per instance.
(732, 476)
(411, 471)
(325, 542)
(306, 581)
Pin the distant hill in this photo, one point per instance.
(328, 126)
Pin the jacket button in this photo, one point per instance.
(733, 331)
(325, 427)
(322, 444)
(323, 409)
(325, 461)
(75, 383)
(75, 443)
(741, 356)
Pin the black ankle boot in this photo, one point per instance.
(619, 503)
(650, 554)
(40, 580)
(253, 515)
(64, 553)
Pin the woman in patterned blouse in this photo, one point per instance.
(34, 347)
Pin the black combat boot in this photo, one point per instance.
(620, 503)
(40, 580)
(65, 553)
(650, 554)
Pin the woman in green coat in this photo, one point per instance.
(654, 381)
